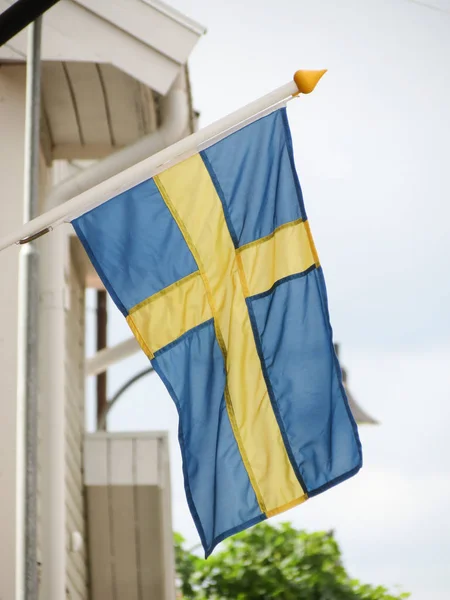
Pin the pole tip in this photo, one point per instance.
(306, 81)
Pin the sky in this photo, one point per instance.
(372, 149)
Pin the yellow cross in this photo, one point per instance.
(226, 277)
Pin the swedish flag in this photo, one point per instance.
(213, 265)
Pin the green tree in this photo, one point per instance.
(272, 561)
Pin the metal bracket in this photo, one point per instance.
(35, 236)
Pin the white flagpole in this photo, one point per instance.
(304, 82)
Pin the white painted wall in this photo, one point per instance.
(61, 376)
(12, 112)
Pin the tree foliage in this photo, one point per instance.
(268, 562)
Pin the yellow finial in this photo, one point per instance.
(306, 81)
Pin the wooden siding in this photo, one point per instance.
(76, 562)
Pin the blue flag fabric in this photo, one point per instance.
(213, 264)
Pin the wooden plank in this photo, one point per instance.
(100, 543)
(166, 522)
(121, 462)
(95, 461)
(123, 97)
(76, 151)
(90, 102)
(58, 104)
(124, 542)
(76, 562)
(150, 546)
(146, 462)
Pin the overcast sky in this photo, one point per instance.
(372, 148)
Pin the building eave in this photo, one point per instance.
(142, 40)
(177, 16)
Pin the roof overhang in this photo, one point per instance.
(106, 65)
(147, 40)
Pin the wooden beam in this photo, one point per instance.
(78, 152)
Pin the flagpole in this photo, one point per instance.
(303, 82)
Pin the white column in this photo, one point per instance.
(52, 530)
(54, 299)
